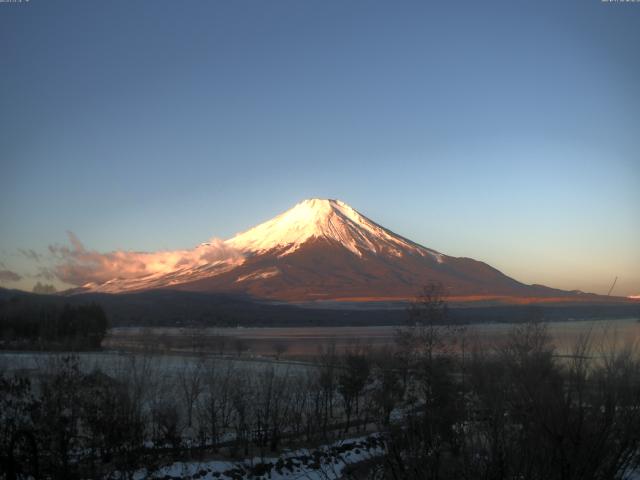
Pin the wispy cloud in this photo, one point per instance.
(45, 273)
(9, 276)
(30, 254)
(77, 265)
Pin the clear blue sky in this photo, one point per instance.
(504, 131)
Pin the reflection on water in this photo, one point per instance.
(605, 335)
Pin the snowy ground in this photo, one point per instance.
(326, 462)
(114, 363)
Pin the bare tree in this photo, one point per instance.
(351, 383)
(279, 348)
(388, 391)
(270, 408)
(61, 408)
(215, 406)
(190, 380)
(240, 346)
(242, 401)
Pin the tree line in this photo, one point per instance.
(27, 323)
(443, 409)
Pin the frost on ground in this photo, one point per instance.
(326, 462)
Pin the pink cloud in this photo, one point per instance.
(77, 265)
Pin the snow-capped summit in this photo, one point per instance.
(324, 219)
(319, 250)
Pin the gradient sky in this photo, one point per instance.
(504, 131)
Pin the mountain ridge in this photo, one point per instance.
(323, 249)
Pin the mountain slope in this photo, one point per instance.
(325, 250)
(328, 219)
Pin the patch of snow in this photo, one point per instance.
(260, 274)
(328, 219)
(311, 219)
(189, 273)
(326, 462)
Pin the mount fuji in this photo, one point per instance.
(325, 250)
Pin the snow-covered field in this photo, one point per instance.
(114, 362)
(326, 462)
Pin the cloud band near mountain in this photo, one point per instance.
(76, 265)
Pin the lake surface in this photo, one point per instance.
(170, 349)
(309, 341)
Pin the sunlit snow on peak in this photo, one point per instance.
(316, 218)
(325, 219)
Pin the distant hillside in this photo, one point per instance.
(176, 308)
